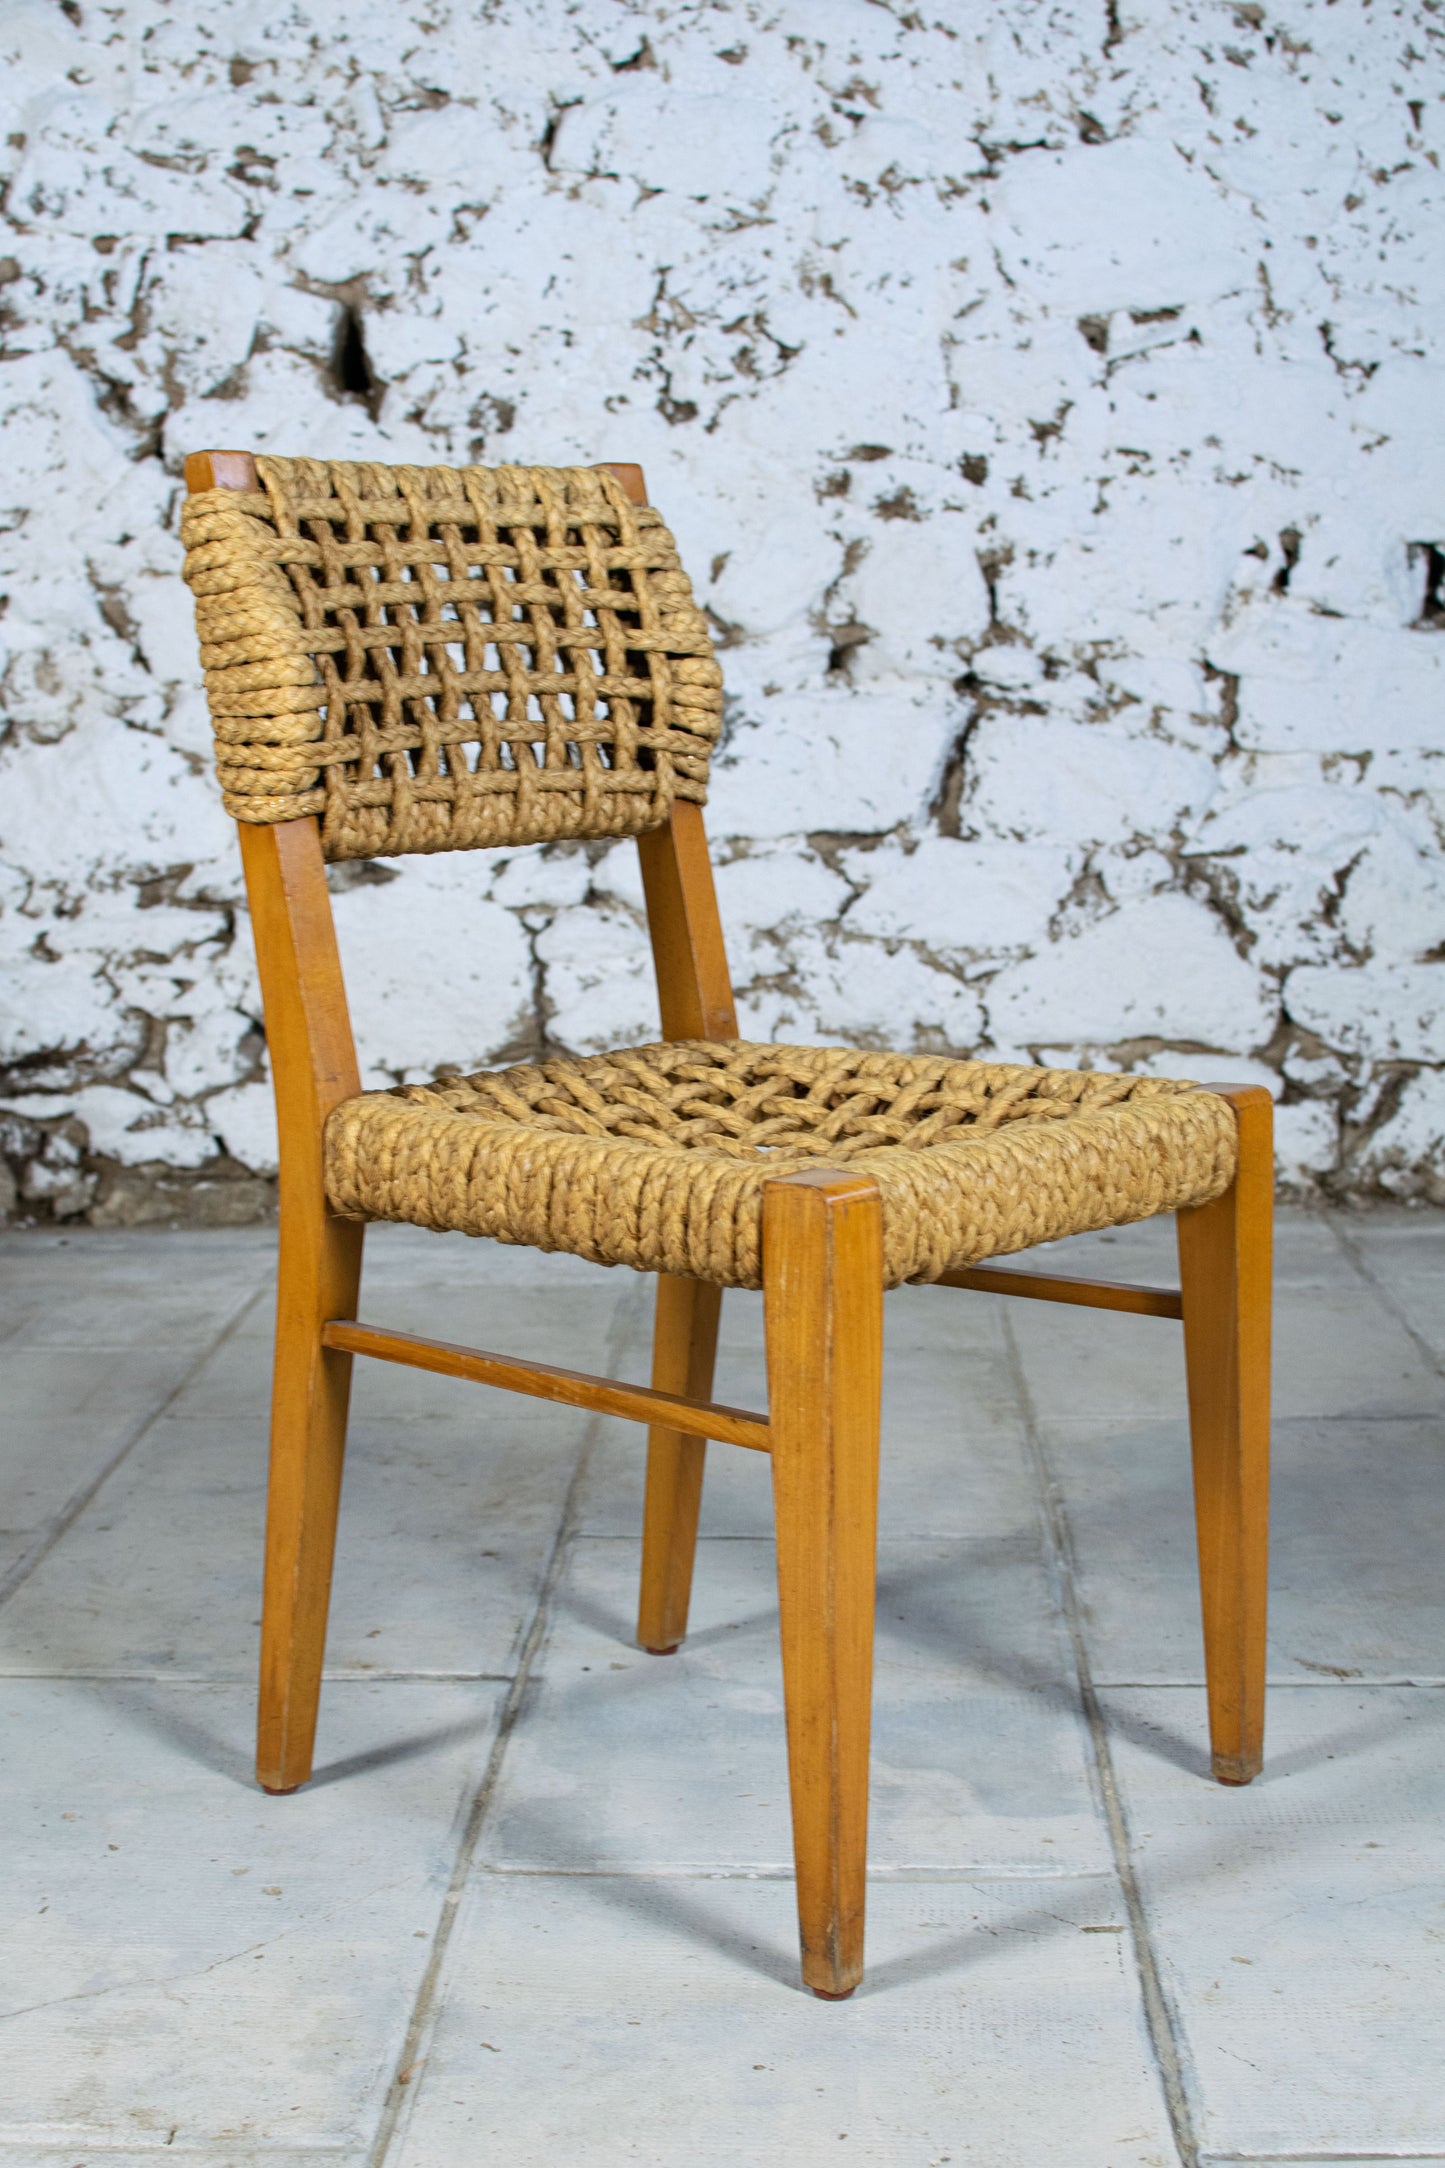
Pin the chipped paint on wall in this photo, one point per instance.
(1045, 397)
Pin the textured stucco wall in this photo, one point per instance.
(1042, 394)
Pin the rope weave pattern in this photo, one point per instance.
(656, 1156)
(437, 658)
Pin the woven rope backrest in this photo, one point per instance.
(439, 658)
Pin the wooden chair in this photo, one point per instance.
(412, 659)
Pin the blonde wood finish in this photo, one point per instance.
(684, 1347)
(1063, 1287)
(541, 1381)
(823, 1303)
(694, 990)
(221, 470)
(1225, 1266)
(313, 1063)
(695, 997)
(630, 477)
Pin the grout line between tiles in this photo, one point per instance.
(204, 2154)
(201, 2150)
(1424, 1681)
(425, 2007)
(248, 1679)
(1158, 2018)
(76, 1504)
(1280, 1686)
(783, 1871)
(1385, 1296)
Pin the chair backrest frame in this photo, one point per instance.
(303, 987)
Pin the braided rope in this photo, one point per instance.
(436, 658)
(656, 1156)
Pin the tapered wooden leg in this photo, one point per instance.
(684, 1348)
(319, 1275)
(823, 1298)
(1225, 1273)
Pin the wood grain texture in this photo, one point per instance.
(542, 1381)
(823, 1303)
(313, 1065)
(695, 1001)
(630, 476)
(220, 470)
(684, 1348)
(1225, 1261)
(1064, 1287)
(694, 988)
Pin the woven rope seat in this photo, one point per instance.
(656, 1156)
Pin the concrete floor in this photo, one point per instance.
(535, 1909)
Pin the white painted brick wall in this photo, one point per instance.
(1045, 397)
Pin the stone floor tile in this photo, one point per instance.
(576, 1327)
(640, 1825)
(186, 1955)
(1407, 1240)
(123, 1385)
(630, 1761)
(1341, 1353)
(1306, 1252)
(450, 1506)
(603, 2021)
(953, 1454)
(1358, 1528)
(157, 1289)
(1337, 1351)
(404, 1256)
(573, 1328)
(1299, 1922)
(46, 1463)
(67, 1415)
(444, 1536)
(1403, 1257)
(1420, 1301)
(220, 2155)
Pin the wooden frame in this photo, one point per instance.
(823, 1287)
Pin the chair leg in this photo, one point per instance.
(1225, 1269)
(320, 1272)
(684, 1348)
(823, 1298)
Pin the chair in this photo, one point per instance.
(404, 659)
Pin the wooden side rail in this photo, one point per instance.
(573, 1388)
(1060, 1287)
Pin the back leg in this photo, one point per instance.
(319, 1277)
(1225, 1273)
(684, 1348)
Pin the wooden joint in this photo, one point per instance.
(630, 476)
(221, 470)
(837, 1183)
(1238, 1094)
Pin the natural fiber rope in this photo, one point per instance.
(437, 658)
(656, 1156)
